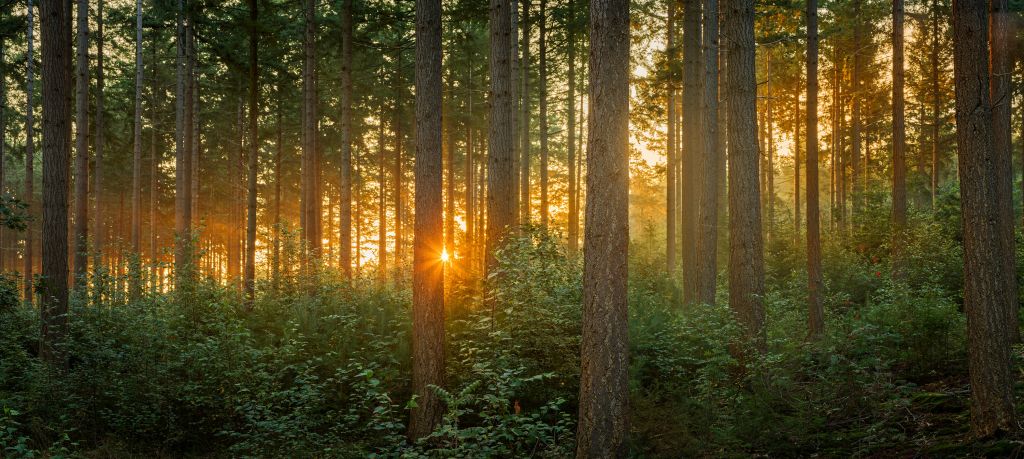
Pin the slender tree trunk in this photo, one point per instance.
(573, 220)
(449, 170)
(234, 234)
(855, 134)
(746, 257)
(769, 171)
(797, 217)
(382, 224)
(671, 206)
(183, 158)
(3, 148)
(707, 207)
(899, 134)
(279, 147)
(934, 61)
(81, 225)
(154, 162)
(989, 289)
(470, 205)
(815, 306)
(693, 143)
(56, 72)
(501, 187)
(311, 192)
(396, 172)
(254, 151)
(345, 223)
(135, 290)
(1001, 96)
(604, 363)
(428, 271)
(525, 194)
(30, 153)
(99, 219)
(543, 76)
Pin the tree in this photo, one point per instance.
(899, 135)
(604, 362)
(570, 132)
(56, 73)
(428, 270)
(182, 157)
(81, 221)
(707, 194)
(254, 151)
(543, 77)
(136, 286)
(692, 142)
(746, 246)
(99, 230)
(815, 306)
(501, 185)
(523, 99)
(989, 289)
(671, 206)
(1001, 100)
(30, 151)
(345, 223)
(310, 158)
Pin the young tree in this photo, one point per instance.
(254, 151)
(428, 243)
(345, 223)
(56, 72)
(746, 246)
(604, 362)
(989, 289)
(707, 194)
(815, 307)
(81, 222)
(501, 185)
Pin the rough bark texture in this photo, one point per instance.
(707, 194)
(81, 220)
(501, 186)
(692, 141)
(56, 73)
(182, 157)
(310, 157)
(746, 247)
(989, 290)
(254, 151)
(815, 303)
(428, 243)
(30, 153)
(671, 206)
(345, 221)
(604, 363)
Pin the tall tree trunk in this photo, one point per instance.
(81, 225)
(1001, 100)
(396, 172)
(693, 143)
(449, 171)
(3, 148)
(234, 234)
(470, 169)
(278, 151)
(769, 137)
(899, 134)
(501, 186)
(254, 151)
(855, 134)
(135, 290)
(428, 243)
(671, 206)
(797, 218)
(525, 194)
(989, 289)
(707, 175)
(815, 305)
(345, 223)
(56, 72)
(382, 212)
(99, 219)
(30, 153)
(746, 247)
(543, 76)
(310, 156)
(573, 220)
(183, 158)
(604, 362)
(934, 66)
(154, 162)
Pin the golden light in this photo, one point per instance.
(444, 256)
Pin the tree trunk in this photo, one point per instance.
(525, 195)
(707, 194)
(797, 217)
(816, 312)
(30, 153)
(154, 161)
(671, 206)
(1001, 100)
(310, 156)
(899, 134)
(501, 186)
(855, 134)
(934, 61)
(136, 285)
(234, 234)
(543, 76)
(56, 73)
(428, 243)
(183, 158)
(573, 220)
(254, 151)
(746, 247)
(604, 362)
(382, 213)
(989, 289)
(81, 225)
(278, 149)
(693, 142)
(345, 223)
(396, 172)
(99, 231)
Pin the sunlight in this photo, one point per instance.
(444, 256)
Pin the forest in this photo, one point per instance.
(511, 228)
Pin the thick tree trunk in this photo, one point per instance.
(310, 157)
(989, 289)
(30, 154)
(746, 247)
(135, 290)
(345, 222)
(183, 158)
(428, 243)
(815, 307)
(254, 151)
(56, 73)
(693, 143)
(1000, 37)
(707, 194)
(501, 185)
(604, 362)
(81, 225)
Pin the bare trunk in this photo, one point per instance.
(501, 186)
(525, 195)
(1001, 99)
(136, 286)
(183, 158)
(81, 225)
(30, 154)
(310, 156)
(707, 194)
(254, 151)
(573, 230)
(815, 306)
(693, 144)
(345, 222)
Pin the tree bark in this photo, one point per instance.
(604, 363)
(989, 289)
(573, 220)
(501, 186)
(1001, 67)
(525, 195)
(707, 195)
(746, 257)
(254, 151)
(899, 133)
(81, 220)
(693, 142)
(815, 306)
(136, 240)
(30, 153)
(99, 220)
(56, 72)
(345, 222)
(671, 206)
(310, 156)
(428, 271)
(855, 133)
(183, 158)
(543, 76)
